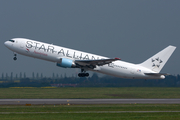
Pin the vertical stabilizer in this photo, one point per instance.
(157, 62)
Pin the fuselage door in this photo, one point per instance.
(132, 71)
(21, 42)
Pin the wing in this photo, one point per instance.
(93, 63)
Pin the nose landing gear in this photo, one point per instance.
(83, 73)
(15, 58)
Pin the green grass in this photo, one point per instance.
(91, 92)
(93, 116)
(90, 112)
(92, 108)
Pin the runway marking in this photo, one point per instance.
(91, 112)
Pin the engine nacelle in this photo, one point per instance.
(66, 63)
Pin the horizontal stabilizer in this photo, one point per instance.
(156, 74)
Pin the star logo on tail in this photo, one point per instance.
(156, 62)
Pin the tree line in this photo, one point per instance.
(22, 75)
(38, 80)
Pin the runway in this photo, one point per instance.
(87, 101)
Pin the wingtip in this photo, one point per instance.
(117, 58)
(172, 46)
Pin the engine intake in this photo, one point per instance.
(66, 63)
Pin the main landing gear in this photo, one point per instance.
(83, 73)
(15, 58)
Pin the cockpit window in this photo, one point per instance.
(12, 40)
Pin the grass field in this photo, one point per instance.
(91, 112)
(126, 92)
(93, 116)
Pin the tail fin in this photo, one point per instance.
(157, 62)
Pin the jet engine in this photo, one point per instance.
(66, 63)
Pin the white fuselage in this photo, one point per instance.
(53, 53)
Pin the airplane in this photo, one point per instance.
(69, 58)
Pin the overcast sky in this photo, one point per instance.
(132, 30)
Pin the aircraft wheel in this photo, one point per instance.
(15, 58)
(86, 74)
(80, 74)
(83, 74)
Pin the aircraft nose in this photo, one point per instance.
(7, 44)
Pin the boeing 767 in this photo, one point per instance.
(69, 58)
